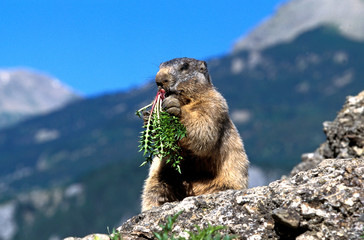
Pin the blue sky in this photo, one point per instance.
(110, 45)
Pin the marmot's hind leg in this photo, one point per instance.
(158, 191)
(152, 196)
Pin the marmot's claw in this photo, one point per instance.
(174, 111)
(162, 199)
(172, 105)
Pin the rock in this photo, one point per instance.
(325, 202)
(287, 217)
(345, 136)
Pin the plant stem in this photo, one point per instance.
(158, 110)
(143, 108)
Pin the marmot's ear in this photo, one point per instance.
(202, 66)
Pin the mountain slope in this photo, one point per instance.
(68, 210)
(298, 16)
(67, 143)
(288, 90)
(25, 92)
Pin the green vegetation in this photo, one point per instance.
(114, 235)
(209, 233)
(166, 232)
(161, 135)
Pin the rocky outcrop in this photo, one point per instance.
(345, 136)
(326, 202)
(323, 198)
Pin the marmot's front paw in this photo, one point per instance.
(163, 199)
(172, 105)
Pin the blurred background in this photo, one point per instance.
(73, 73)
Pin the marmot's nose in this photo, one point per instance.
(162, 78)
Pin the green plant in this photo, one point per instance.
(161, 135)
(114, 235)
(167, 229)
(209, 233)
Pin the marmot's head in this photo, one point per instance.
(183, 75)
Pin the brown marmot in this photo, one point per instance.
(213, 154)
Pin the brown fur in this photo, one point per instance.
(213, 152)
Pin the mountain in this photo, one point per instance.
(280, 94)
(83, 158)
(25, 93)
(296, 17)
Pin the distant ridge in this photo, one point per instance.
(289, 21)
(26, 92)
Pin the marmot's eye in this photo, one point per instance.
(184, 66)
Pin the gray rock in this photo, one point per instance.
(322, 203)
(287, 217)
(345, 136)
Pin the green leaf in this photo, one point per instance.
(161, 136)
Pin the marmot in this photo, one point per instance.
(213, 153)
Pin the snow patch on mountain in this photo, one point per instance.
(29, 92)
